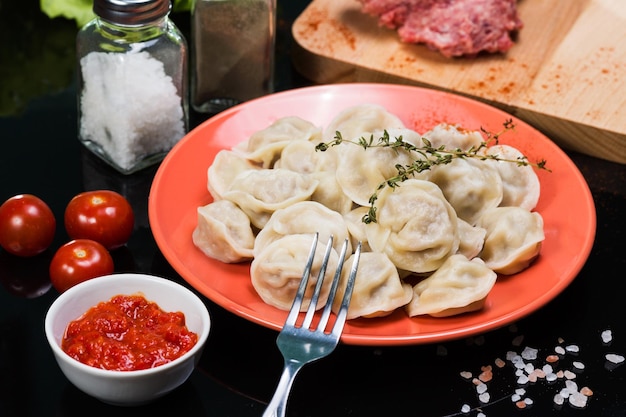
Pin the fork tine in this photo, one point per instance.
(297, 301)
(345, 302)
(318, 286)
(333, 288)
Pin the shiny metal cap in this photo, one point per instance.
(131, 12)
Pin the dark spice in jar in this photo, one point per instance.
(233, 49)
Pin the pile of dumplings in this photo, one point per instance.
(441, 237)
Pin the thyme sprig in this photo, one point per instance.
(429, 157)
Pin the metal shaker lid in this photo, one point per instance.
(131, 12)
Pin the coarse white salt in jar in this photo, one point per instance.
(132, 94)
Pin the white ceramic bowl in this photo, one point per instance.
(127, 387)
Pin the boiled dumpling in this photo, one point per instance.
(361, 120)
(472, 186)
(356, 227)
(306, 217)
(520, 182)
(378, 289)
(514, 238)
(277, 270)
(330, 194)
(264, 146)
(416, 227)
(260, 193)
(458, 286)
(223, 232)
(224, 169)
(301, 156)
(472, 239)
(452, 136)
(361, 171)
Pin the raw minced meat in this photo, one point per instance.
(452, 27)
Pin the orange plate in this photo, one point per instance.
(566, 204)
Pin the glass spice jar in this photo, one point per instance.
(133, 104)
(232, 53)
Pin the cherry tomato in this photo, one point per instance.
(102, 215)
(27, 225)
(78, 261)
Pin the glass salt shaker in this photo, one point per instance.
(133, 104)
(232, 54)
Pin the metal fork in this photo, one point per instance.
(302, 345)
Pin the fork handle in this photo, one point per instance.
(278, 405)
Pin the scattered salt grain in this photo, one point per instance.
(529, 368)
(529, 353)
(569, 374)
(614, 358)
(571, 386)
(572, 348)
(499, 363)
(520, 404)
(515, 398)
(578, 365)
(520, 391)
(607, 336)
(586, 391)
(552, 358)
(551, 377)
(547, 369)
(558, 399)
(465, 409)
(577, 400)
(559, 350)
(481, 388)
(466, 374)
(484, 397)
(522, 380)
(481, 414)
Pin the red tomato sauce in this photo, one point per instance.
(127, 333)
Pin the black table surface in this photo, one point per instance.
(240, 367)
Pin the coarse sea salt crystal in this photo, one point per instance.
(614, 358)
(559, 350)
(558, 399)
(481, 388)
(484, 397)
(578, 365)
(577, 400)
(572, 348)
(571, 386)
(481, 414)
(465, 408)
(607, 336)
(529, 353)
(516, 397)
(466, 374)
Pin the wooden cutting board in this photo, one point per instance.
(565, 75)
